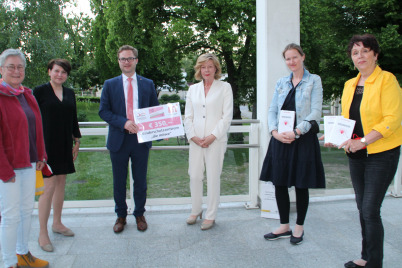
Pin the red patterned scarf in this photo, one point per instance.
(7, 88)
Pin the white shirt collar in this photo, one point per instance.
(134, 77)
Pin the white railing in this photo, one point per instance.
(396, 190)
(250, 199)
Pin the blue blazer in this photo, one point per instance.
(112, 107)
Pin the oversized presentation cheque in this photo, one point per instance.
(158, 122)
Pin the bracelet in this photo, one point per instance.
(77, 141)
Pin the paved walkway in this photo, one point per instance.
(332, 237)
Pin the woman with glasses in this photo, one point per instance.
(22, 152)
(374, 100)
(60, 125)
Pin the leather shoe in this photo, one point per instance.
(272, 236)
(141, 223)
(296, 240)
(47, 247)
(351, 264)
(119, 225)
(66, 232)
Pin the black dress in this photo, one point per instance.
(297, 164)
(60, 124)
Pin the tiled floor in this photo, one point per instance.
(332, 237)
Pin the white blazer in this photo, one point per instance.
(211, 114)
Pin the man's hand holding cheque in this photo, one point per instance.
(131, 127)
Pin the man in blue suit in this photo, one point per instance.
(120, 95)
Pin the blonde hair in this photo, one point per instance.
(202, 59)
(127, 47)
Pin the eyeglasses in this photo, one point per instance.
(12, 68)
(130, 59)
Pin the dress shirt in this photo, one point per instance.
(135, 89)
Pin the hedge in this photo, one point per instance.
(88, 99)
(172, 99)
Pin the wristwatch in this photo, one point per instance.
(296, 135)
(363, 140)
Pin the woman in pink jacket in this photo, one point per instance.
(22, 152)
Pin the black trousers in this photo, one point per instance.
(283, 202)
(371, 178)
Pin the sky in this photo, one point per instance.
(82, 6)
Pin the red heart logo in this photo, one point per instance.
(286, 122)
(342, 131)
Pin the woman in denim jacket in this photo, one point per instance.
(294, 157)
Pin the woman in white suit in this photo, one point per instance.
(208, 113)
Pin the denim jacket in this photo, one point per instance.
(308, 101)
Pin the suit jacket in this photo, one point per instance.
(112, 107)
(211, 114)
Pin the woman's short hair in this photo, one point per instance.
(203, 58)
(293, 46)
(12, 52)
(368, 40)
(127, 47)
(65, 64)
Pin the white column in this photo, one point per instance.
(278, 24)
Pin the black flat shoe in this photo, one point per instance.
(351, 264)
(272, 236)
(296, 240)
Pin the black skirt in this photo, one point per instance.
(297, 164)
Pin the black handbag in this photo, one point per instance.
(315, 128)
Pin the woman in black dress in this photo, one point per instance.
(294, 157)
(60, 126)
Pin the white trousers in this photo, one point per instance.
(211, 160)
(17, 201)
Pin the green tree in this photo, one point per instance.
(139, 23)
(40, 27)
(106, 67)
(224, 27)
(166, 31)
(84, 73)
(188, 63)
(7, 23)
(326, 27)
(41, 31)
